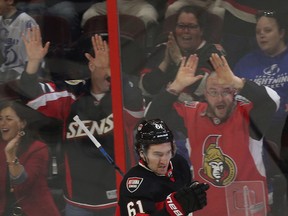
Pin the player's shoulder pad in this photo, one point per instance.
(133, 183)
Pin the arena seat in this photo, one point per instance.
(131, 27)
(132, 39)
(55, 29)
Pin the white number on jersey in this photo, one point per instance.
(134, 207)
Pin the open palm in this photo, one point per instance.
(33, 43)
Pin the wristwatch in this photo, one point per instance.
(14, 162)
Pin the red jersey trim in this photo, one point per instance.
(92, 207)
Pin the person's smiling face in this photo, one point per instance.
(10, 124)
(188, 33)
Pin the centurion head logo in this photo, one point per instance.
(217, 168)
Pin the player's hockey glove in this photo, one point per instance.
(188, 199)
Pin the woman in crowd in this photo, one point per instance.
(268, 65)
(24, 163)
(188, 37)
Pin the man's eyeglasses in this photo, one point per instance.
(224, 93)
(188, 27)
(261, 13)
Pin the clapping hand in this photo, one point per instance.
(173, 49)
(12, 146)
(172, 53)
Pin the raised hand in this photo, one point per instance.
(101, 51)
(34, 48)
(225, 76)
(186, 74)
(33, 43)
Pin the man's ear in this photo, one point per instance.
(142, 156)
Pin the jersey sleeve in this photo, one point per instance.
(44, 98)
(54, 104)
(29, 86)
(265, 103)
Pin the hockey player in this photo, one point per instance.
(90, 186)
(161, 182)
(225, 134)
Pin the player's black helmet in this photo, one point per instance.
(153, 131)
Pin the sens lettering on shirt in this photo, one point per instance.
(103, 127)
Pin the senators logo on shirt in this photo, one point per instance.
(219, 169)
(102, 127)
(133, 183)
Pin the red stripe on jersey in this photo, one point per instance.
(51, 104)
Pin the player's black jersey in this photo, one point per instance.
(142, 191)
